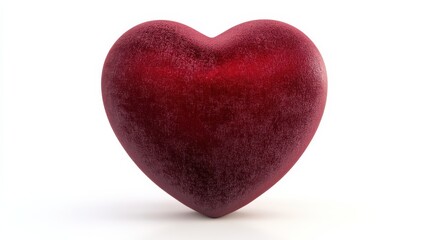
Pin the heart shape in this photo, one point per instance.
(214, 122)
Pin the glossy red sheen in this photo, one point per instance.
(215, 122)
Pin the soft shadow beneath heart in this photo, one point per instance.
(176, 221)
(171, 211)
(262, 219)
(172, 220)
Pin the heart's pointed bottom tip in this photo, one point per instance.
(213, 215)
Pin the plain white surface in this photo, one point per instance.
(63, 174)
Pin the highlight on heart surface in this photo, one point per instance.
(214, 122)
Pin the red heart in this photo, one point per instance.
(215, 122)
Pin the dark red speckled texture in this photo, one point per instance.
(215, 122)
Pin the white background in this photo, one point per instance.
(65, 176)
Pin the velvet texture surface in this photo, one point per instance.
(214, 122)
